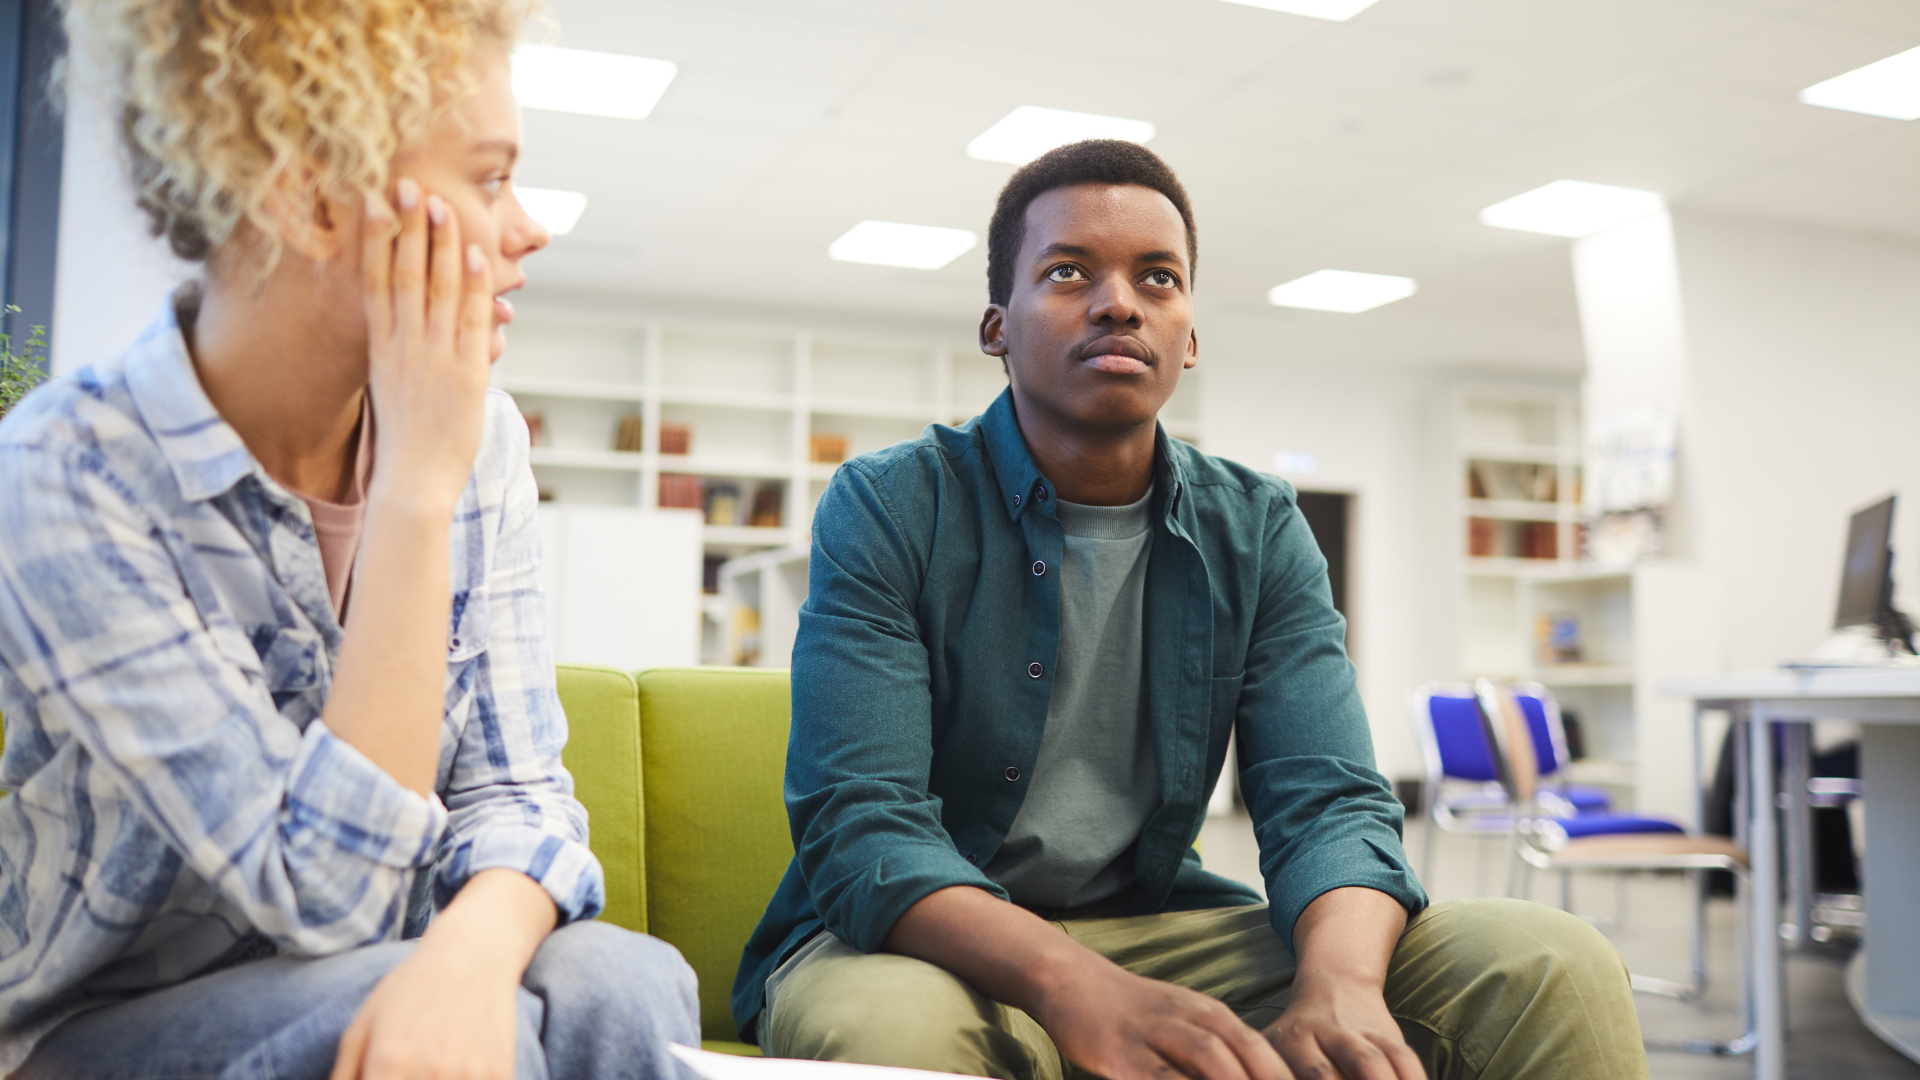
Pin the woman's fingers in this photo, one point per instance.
(376, 266)
(446, 274)
(410, 261)
(353, 1049)
(476, 308)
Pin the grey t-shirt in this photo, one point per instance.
(1094, 784)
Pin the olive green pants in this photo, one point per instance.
(1492, 989)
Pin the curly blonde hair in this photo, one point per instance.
(217, 99)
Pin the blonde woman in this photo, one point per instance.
(275, 667)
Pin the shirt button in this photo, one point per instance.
(972, 860)
(1034, 670)
(453, 643)
(1040, 494)
(1016, 500)
(1013, 772)
(1039, 568)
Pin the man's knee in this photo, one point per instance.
(1516, 939)
(884, 1009)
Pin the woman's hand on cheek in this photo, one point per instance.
(429, 309)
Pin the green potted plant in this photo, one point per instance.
(21, 371)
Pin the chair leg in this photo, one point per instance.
(1745, 1043)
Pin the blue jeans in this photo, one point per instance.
(598, 1002)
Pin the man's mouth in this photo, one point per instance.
(502, 309)
(1117, 355)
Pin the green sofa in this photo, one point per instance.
(680, 771)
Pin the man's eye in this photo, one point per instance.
(492, 184)
(1163, 279)
(1065, 272)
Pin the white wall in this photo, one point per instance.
(1804, 405)
(112, 276)
(1366, 423)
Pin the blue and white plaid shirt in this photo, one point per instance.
(166, 646)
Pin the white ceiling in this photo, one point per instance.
(1367, 145)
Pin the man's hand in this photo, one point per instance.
(1343, 1031)
(1122, 1026)
(449, 1011)
(1337, 1023)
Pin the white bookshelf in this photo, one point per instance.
(752, 395)
(1639, 626)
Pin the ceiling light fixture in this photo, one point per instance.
(1889, 88)
(593, 83)
(1331, 10)
(1572, 208)
(889, 243)
(1345, 291)
(1029, 131)
(555, 211)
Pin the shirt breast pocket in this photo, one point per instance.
(467, 633)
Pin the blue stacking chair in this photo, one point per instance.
(1557, 796)
(1462, 792)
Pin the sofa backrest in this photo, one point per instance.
(717, 842)
(603, 754)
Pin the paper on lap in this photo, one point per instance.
(714, 1066)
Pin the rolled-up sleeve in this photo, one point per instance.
(304, 835)
(866, 829)
(1324, 817)
(510, 799)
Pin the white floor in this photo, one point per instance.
(1825, 1038)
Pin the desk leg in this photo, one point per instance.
(1764, 927)
(1890, 763)
(1796, 768)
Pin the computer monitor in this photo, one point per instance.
(1866, 580)
(1866, 576)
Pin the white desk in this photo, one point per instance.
(1884, 981)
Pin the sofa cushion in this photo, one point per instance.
(603, 754)
(716, 824)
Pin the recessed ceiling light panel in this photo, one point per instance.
(556, 211)
(1572, 208)
(889, 243)
(1889, 88)
(1029, 131)
(593, 83)
(1345, 291)
(1331, 10)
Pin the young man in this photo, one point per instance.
(1025, 644)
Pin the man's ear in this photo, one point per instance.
(1193, 349)
(308, 220)
(993, 331)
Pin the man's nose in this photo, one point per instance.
(1114, 304)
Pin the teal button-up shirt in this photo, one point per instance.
(925, 660)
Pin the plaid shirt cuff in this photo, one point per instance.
(342, 800)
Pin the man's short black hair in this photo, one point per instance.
(1094, 161)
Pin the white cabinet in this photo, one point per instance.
(622, 585)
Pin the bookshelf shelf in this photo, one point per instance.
(563, 458)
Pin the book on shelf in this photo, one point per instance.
(722, 502)
(681, 491)
(1556, 638)
(676, 439)
(626, 437)
(827, 449)
(1521, 481)
(765, 513)
(1496, 538)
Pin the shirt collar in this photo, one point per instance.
(204, 452)
(1020, 479)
